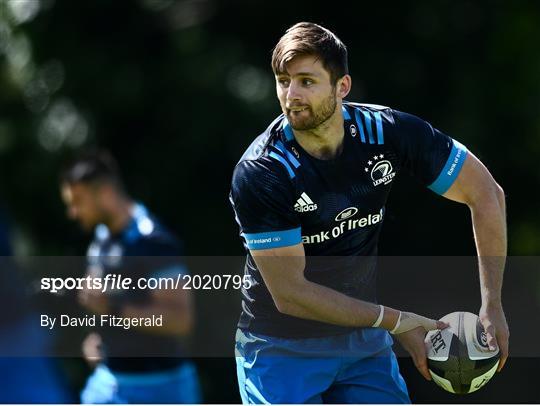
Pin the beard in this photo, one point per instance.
(88, 225)
(315, 117)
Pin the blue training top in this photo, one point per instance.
(145, 248)
(283, 196)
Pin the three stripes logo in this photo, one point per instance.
(304, 204)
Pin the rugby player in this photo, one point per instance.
(35, 377)
(309, 196)
(94, 194)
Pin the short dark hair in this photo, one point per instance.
(311, 39)
(92, 167)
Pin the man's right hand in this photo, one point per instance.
(411, 332)
(413, 342)
(409, 321)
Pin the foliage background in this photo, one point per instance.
(178, 89)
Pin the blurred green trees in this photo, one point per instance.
(177, 89)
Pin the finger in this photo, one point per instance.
(421, 364)
(503, 345)
(435, 325)
(420, 361)
(490, 336)
(428, 324)
(441, 325)
(502, 362)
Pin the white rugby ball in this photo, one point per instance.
(459, 359)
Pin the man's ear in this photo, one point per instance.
(343, 86)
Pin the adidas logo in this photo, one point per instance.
(304, 203)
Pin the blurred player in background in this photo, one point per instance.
(128, 240)
(315, 184)
(32, 376)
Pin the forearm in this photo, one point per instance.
(283, 273)
(312, 301)
(489, 224)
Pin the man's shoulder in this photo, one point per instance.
(386, 113)
(261, 144)
(398, 126)
(367, 106)
(145, 235)
(266, 156)
(155, 238)
(389, 114)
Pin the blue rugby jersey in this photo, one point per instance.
(145, 248)
(282, 196)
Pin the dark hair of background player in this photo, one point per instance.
(93, 167)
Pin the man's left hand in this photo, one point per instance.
(494, 322)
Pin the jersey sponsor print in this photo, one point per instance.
(283, 196)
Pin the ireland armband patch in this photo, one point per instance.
(273, 239)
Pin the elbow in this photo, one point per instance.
(289, 295)
(177, 325)
(179, 319)
(499, 192)
(492, 195)
(284, 306)
(185, 327)
(496, 196)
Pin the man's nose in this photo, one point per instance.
(293, 92)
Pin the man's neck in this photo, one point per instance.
(120, 216)
(326, 141)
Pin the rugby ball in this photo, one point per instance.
(459, 358)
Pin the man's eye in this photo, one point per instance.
(307, 82)
(283, 82)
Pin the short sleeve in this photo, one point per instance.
(157, 255)
(263, 203)
(429, 155)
